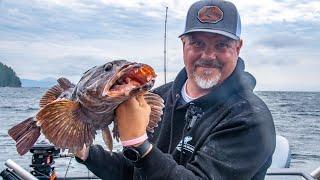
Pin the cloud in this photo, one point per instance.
(283, 56)
(253, 12)
(289, 35)
(270, 11)
(53, 38)
(285, 40)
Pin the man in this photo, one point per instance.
(213, 126)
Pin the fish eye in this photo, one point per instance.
(108, 66)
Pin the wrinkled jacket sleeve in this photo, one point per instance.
(238, 148)
(107, 166)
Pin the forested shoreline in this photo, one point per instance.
(8, 77)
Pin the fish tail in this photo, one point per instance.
(25, 134)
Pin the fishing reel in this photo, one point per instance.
(8, 174)
(42, 163)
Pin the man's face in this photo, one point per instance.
(209, 58)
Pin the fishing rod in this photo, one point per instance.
(165, 47)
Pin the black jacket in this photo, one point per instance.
(226, 134)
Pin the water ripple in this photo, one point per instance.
(296, 116)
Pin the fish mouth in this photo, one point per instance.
(130, 80)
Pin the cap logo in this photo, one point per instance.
(210, 14)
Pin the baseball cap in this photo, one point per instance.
(214, 16)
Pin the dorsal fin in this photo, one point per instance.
(63, 123)
(156, 104)
(50, 95)
(65, 83)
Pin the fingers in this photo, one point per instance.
(131, 102)
(142, 102)
(135, 101)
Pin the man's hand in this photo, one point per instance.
(133, 118)
(83, 153)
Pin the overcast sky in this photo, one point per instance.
(53, 38)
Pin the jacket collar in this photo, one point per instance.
(239, 80)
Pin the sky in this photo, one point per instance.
(55, 38)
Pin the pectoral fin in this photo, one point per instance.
(64, 124)
(107, 138)
(156, 104)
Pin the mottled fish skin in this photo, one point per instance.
(70, 114)
(89, 92)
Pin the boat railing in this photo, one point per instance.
(291, 173)
(16, 172)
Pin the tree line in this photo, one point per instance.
(8, 77)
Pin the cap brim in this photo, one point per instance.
(216, 31)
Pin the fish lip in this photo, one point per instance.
(120, 72)
(147, 86)
(109, 83)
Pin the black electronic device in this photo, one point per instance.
(134, 154)
(43, 160)
(8, 174)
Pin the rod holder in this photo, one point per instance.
(19, 170)
(316, 174)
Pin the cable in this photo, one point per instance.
(68, 168)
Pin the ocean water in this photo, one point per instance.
(296, 116)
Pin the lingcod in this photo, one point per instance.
(70, 115)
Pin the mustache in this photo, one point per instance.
(208, 63)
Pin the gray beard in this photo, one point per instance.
(206, 83)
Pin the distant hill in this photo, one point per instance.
(8, 77)
(44, 83)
